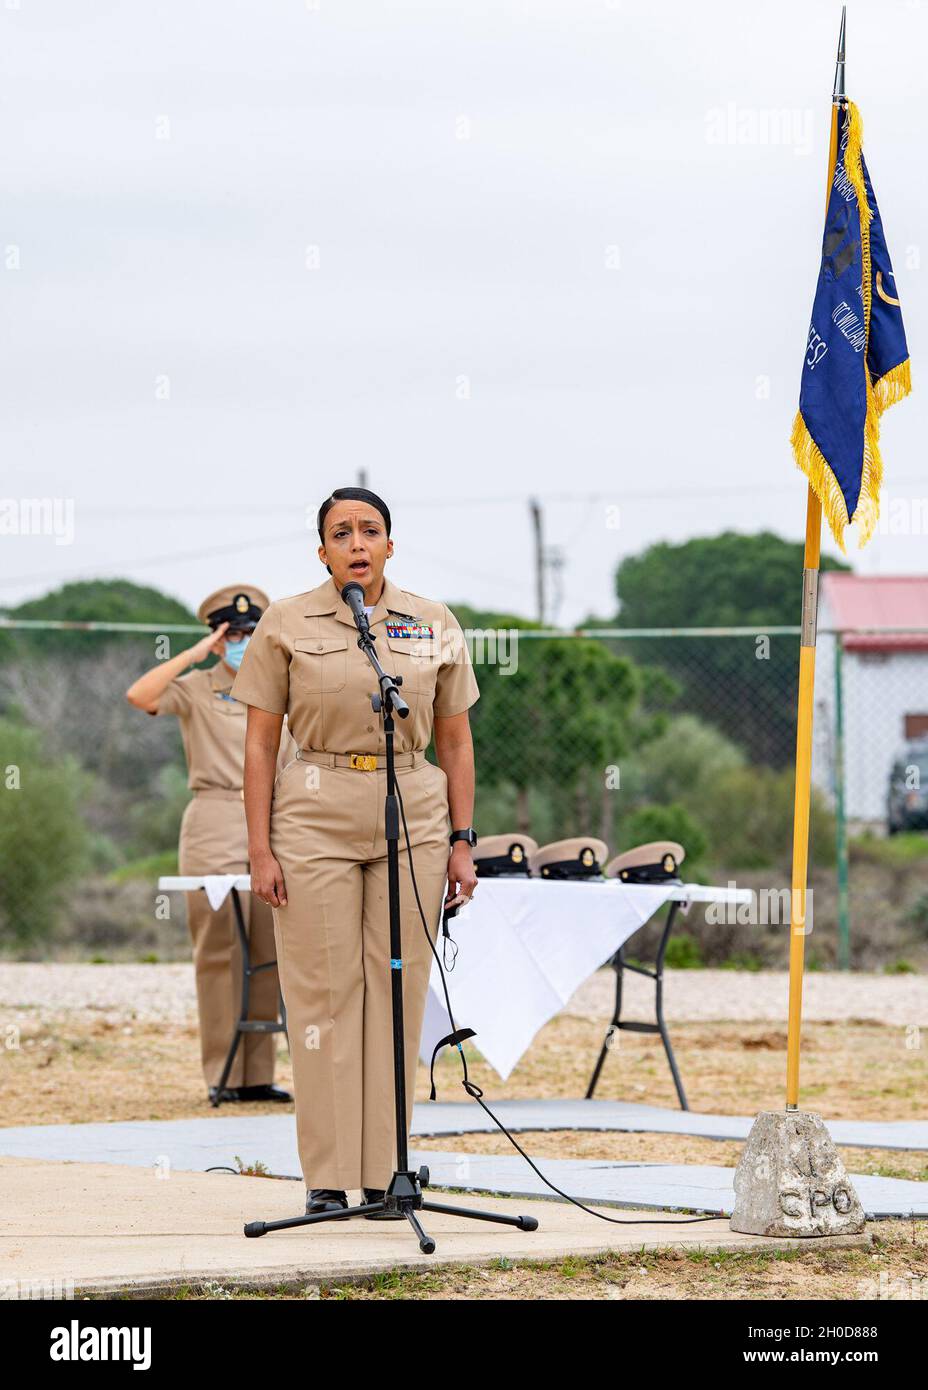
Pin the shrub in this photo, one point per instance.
(683, 953)
(43, 839)
(900, 967)
(749, 819)
(683, 764)
(671, 822)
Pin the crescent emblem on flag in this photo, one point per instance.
(881, 292)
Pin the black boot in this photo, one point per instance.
(325, 1199)
(264, 1092)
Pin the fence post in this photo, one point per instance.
(844, 924)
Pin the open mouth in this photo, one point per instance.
(359, 567)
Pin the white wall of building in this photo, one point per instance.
(880, 689)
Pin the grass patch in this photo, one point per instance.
(684, 953)
(893, 851)
(151, 866)
(898, 1249)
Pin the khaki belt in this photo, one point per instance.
(220, 793)
(360, 762)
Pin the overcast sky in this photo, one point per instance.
(483, 251)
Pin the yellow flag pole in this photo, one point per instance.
(805, 710)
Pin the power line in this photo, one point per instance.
(239, 548)
(247, 544)
(204, 552)
(618, 494)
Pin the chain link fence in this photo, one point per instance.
(628, 735)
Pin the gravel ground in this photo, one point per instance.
(147, 993)
(165, 993)
(704, 996)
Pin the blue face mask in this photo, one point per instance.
(235, 651)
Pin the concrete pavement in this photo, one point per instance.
(98, 1228)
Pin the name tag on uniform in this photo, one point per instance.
(409, 628)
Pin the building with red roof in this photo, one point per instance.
(883, 626)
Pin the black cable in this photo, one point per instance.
(474, 1091)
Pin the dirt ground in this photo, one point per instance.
(894, 1267)
(73, 1067)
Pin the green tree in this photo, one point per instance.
(96, 600)
(745, 688)
(552, 725)
(69, 685)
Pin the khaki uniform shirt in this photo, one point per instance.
(303, 660)
(212, 726)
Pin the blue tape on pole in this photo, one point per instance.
(396, 965)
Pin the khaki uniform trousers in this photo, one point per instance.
(214, 840)
(333, 952)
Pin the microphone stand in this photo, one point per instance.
(404, 1194)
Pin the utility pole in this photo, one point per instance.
(535, 509)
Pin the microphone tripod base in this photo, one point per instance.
(403, 1197)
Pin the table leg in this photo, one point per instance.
(617, 965)
(246, 985)
(620, 965)
(659, 1004)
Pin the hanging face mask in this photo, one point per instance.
(235, 651)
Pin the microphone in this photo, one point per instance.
(353, 595)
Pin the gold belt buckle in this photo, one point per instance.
(363, 762)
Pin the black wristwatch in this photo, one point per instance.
(470, 835)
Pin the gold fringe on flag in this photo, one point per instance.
(813, 463)
(892, 387)
(880, 395)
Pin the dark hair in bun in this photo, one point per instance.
(352, 494)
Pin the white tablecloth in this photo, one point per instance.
(525, 946)
(216, 886)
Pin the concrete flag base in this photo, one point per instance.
(791, 1182)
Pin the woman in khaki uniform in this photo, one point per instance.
(214, 838)
(316, 834)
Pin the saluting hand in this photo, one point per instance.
(212, 642)
(462, 876)
(267, 879)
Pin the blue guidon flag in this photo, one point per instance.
(857, 361)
